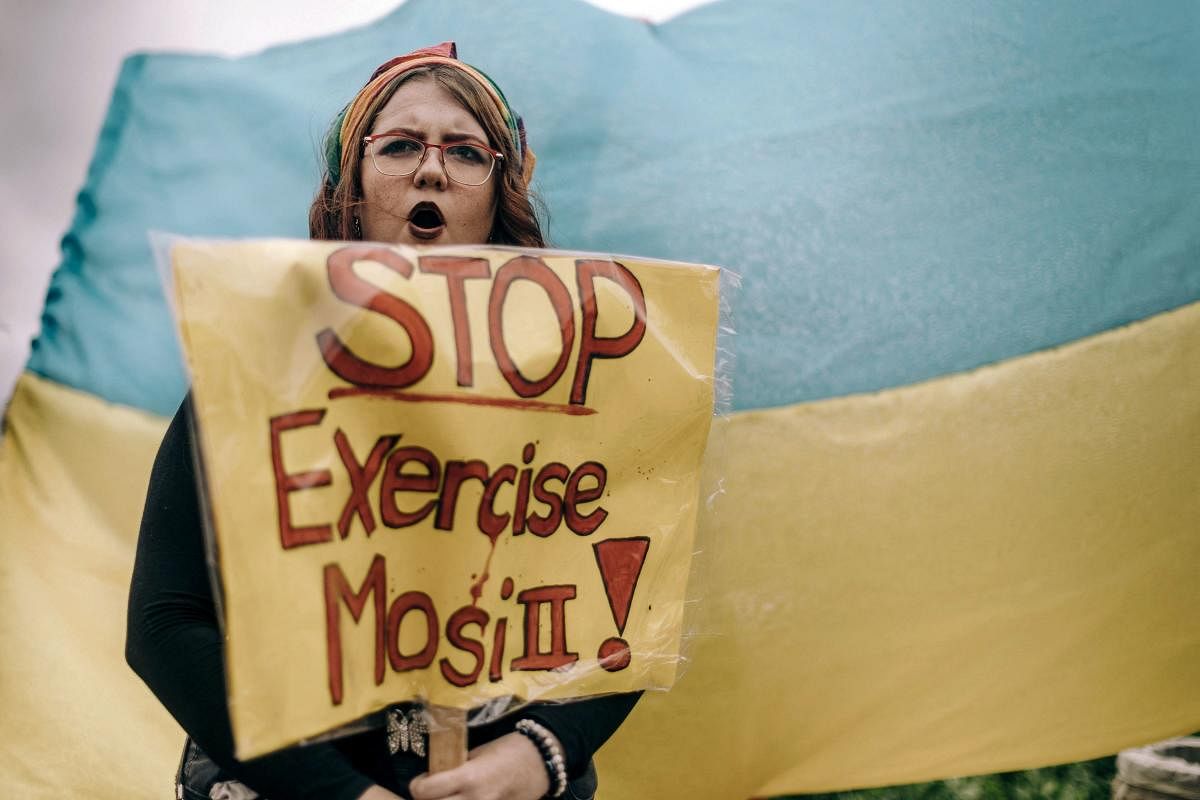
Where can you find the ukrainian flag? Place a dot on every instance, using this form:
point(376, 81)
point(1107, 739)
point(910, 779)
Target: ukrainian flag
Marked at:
point(960, 527)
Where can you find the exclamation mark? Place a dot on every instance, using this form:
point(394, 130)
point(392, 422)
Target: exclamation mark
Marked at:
point(620, 562)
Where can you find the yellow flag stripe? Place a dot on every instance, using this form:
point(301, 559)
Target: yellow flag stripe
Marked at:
point(989, 571)
point(78, 722)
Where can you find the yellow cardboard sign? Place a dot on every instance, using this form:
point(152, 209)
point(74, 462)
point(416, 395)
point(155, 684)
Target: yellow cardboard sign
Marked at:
point(449, 474)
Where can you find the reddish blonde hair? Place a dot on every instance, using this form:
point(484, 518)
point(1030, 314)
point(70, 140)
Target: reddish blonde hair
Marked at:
point(334, 211)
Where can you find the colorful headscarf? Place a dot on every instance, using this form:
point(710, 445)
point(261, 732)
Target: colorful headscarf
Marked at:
point(339, 157)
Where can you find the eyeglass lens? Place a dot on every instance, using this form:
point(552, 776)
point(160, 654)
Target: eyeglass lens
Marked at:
point(400, 155)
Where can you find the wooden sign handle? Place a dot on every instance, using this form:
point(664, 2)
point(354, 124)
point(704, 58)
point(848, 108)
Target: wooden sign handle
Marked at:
point(447, 738)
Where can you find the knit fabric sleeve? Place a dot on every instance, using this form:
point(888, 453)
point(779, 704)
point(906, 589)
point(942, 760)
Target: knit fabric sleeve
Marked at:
point(582, 726)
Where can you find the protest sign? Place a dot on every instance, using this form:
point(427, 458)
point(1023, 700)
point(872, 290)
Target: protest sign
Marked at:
point(450, 474)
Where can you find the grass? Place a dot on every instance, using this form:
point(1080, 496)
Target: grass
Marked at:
point(1086, 780)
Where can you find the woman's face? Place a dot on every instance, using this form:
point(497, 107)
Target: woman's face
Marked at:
point(424, 110)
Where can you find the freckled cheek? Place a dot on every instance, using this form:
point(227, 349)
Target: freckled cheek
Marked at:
point(483, 214)
point(474, 225)
point(383, 200)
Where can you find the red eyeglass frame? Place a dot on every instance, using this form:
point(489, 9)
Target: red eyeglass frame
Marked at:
point(441, 148)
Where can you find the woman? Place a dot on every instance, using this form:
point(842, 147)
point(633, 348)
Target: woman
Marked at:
point(428, 152)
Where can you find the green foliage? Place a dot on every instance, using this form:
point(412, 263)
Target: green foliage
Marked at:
point(1086, 780)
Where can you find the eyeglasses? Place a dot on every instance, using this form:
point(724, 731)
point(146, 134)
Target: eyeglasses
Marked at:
point(398, 154)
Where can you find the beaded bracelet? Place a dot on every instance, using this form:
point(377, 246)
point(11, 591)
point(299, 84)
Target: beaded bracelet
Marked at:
point(552, 756)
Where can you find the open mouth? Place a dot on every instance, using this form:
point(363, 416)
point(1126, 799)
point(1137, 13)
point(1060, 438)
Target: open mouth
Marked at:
point(426, 220)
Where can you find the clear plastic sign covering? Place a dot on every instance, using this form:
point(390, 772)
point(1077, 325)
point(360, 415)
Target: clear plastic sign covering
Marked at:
point(464, 476)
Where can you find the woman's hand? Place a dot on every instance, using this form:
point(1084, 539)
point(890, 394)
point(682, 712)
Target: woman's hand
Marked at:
point(378, 793)
point(508, 768)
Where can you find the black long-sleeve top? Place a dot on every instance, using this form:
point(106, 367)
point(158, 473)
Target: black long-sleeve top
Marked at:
point(174, 643)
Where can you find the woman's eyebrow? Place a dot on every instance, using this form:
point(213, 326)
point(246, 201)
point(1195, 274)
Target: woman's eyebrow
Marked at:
point(416, 133)
point(413, 132)
point(459, 136)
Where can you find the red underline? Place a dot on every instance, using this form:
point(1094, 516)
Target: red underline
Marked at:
point(498, 402)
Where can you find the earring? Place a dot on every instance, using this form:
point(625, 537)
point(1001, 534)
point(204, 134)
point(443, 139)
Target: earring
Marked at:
point(357, 228)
